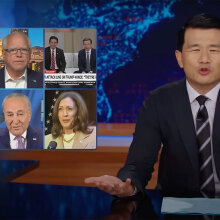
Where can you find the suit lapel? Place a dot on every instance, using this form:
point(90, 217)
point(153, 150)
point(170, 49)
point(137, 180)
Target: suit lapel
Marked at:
point(81, 140)
point(57, 57)
point(84, 56)
point(31, 81)
point(216, 136)
point(48, 56)
point(91, 57)
point(184, 120)
point(5, 140)
point(2, 77)
point(31, 139)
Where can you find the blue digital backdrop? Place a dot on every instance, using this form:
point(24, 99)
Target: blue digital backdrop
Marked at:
point(136, 42)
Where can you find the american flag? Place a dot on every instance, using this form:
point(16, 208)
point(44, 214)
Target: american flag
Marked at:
point(50, 99)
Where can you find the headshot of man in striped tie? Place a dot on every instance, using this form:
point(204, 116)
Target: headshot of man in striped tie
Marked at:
point(180, 120)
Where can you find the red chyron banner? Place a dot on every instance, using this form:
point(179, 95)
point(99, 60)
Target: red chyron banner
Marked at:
point(50, 71)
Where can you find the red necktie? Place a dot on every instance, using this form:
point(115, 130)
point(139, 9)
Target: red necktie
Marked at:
point(52, 60)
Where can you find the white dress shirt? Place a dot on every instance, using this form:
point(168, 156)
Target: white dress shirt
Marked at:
point(14, 142)
point(210, 104)
point(21, 82)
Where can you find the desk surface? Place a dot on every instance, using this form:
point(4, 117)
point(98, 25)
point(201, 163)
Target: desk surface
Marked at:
point(38, 201)
point(10, 169)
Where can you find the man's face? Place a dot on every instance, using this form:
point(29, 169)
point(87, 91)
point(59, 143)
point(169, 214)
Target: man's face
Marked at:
point(87, 45)
point(53, 43)
point(16, 63)
point(200, 58)
point(17, 115)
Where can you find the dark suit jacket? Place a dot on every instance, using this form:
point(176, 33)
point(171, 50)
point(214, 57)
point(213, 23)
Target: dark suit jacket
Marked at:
point(82, 60)
point(60, 59)
point(34, 138)
point(166, 118)
point(34, 79)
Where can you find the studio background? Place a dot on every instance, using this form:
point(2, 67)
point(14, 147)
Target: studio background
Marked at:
point(136, 41)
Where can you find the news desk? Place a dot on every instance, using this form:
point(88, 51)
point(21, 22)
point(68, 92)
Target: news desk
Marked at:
point(42, 201)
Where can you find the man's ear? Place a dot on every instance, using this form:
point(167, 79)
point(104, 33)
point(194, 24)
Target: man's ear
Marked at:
point(29, 114)
point(179, 58)
point(3, 54)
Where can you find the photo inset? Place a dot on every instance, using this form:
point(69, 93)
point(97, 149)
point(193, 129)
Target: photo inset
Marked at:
point(21, 58)
point(70, 119)
point(70, 58)
point(21, 119)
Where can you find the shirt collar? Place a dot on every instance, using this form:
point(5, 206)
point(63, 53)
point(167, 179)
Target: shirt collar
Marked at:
point(8, 77)
point(88, 51)
point(12, 137)
point(193, 94)
point(53, 49)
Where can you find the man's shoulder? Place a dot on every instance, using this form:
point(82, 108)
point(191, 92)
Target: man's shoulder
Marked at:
point(35, 130)
point(30, 71)
point(167, 93)
point(59, 49)
point(4, 138)
point(81, 51)
point(4, 131)
point(2, 70)
point(170, 87)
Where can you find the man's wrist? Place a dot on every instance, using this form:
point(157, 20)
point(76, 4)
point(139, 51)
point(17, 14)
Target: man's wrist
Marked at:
point(135, 191)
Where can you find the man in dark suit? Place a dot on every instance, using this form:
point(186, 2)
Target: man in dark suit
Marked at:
point(19, 134)
point(87, 57)
point(54, 56)
point(16, 55)
point(183, 117)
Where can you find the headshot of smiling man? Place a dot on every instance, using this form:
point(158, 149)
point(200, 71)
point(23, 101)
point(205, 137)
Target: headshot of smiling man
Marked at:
point(19, 134)
point(54, 56)
point(16, 55)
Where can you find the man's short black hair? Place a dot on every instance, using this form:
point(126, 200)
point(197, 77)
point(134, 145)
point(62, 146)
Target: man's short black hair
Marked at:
point(87, 39)
point(203, 21)
point(53, 37)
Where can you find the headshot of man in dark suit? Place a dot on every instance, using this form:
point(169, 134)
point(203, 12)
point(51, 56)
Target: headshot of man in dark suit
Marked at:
point(16, 55)
point(54, 56)
point(182, 119)
point(19, 134)
point(87, 57)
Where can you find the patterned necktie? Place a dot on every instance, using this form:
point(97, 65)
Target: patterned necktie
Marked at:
point(207, 185)
point(52, 60)
point(87, 62)
point(20, 142)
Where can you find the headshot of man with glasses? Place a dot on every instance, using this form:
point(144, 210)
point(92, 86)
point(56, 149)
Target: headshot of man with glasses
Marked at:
point(16, 54)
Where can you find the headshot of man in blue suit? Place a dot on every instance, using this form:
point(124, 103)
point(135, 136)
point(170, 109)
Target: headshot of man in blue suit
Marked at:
point(16, 54)
point(19, 134)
